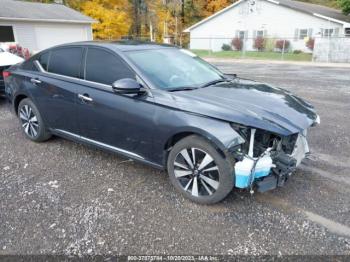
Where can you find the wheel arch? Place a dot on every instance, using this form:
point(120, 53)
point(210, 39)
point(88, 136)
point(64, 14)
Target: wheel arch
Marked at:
point(217, 142)
point(17, 101)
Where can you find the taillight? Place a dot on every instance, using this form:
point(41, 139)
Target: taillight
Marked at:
point(6, 74)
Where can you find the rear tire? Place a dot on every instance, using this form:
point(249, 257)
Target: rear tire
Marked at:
point(33, 125)
point(199, 172)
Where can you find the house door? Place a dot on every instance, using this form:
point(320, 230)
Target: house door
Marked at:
point(242, 36)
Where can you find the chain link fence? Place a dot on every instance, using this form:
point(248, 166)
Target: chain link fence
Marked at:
point(318, 49)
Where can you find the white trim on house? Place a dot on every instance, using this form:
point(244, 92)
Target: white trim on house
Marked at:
point(330, 19)
point(274, 2)
point(48, 20)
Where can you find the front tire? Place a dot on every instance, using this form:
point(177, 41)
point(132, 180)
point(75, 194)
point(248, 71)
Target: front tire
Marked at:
point(33, 125)
point(199, 172)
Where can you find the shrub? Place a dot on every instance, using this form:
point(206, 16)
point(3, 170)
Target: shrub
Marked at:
point(310, 43)
point(280, 43)
point(26, 53)
point(237, 43)
point(259, 43)
point(270, 44)
point(19, 51)
point(297, 52)
point(226, 47)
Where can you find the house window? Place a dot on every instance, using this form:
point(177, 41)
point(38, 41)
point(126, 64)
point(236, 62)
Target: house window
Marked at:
point(327, 32)
point(6, 34)
point(241, 34)
point(303, 33)
point(260, 33)
point(347, 32)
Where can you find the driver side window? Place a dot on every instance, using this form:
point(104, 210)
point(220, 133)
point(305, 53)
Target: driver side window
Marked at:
point(105, 68)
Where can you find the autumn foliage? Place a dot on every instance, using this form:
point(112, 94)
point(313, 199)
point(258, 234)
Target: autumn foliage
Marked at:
point(213, 6)
point(113, 20)
point(145, 18)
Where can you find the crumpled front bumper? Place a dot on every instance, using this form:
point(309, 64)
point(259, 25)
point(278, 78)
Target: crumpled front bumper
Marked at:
point(301, 149)
point(285, 165)
point(276, 174)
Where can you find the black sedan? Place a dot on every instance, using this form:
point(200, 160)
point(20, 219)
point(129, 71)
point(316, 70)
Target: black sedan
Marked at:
point(165, 107)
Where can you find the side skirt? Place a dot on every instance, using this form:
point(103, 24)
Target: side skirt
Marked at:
point(105, 147)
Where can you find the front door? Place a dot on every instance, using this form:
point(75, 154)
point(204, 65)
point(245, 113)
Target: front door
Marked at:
point(119, 122)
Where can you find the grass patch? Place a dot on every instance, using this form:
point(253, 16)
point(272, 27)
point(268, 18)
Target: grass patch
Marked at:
point(255, 55)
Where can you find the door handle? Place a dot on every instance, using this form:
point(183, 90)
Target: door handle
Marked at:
point(35, 81)
point(85, 98)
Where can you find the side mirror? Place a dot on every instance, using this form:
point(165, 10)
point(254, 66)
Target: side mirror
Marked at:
point(127, 86)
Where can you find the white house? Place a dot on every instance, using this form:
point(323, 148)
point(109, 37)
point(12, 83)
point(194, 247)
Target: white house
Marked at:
point(276, 19)
point(37, 26)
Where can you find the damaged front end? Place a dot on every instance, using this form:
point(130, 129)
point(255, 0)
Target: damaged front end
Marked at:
point(267, 160)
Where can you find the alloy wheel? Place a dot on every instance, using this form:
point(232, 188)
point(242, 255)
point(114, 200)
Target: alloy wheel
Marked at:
point(29, 121)
point(197, 172)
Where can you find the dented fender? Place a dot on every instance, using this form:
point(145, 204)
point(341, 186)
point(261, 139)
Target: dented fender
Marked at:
point(171, 123)
point(219, 132)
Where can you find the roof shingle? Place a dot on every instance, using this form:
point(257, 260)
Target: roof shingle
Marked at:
point(318, 9)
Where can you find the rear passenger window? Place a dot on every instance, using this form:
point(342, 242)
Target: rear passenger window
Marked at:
point(66, 61)
point(44, 60)
point(29, 65)
point(105, 68)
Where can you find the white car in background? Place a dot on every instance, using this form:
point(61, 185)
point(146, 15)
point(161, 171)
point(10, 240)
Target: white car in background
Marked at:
point(6, 60)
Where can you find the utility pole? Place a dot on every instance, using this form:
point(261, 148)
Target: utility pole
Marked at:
point(176, 30)
point(137, 23)
point(151, 30)
point(182, 19)
point(183, 11)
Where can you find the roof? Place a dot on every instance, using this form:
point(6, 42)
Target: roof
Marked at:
point(312, 9)
point(315, 9)
point(122, 45)
point(29, 11)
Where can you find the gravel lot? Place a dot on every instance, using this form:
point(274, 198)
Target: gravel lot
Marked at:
point(60, 197)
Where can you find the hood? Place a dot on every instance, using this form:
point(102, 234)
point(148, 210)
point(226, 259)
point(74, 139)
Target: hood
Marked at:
point(7, 59)
point(248, 103)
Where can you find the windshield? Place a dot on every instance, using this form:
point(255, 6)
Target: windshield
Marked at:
point(172, 69)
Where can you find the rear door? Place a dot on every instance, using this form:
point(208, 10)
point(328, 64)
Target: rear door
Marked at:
point(55, 91)
point(122, 122)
